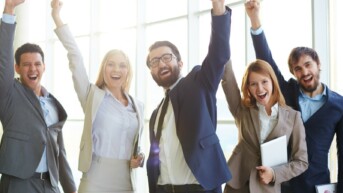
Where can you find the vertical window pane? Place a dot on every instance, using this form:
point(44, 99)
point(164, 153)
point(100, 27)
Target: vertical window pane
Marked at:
point(77, 14)
point(337, 47)
point(157, 10)
point(228, 135)
point(36, 32)
point(116, 14)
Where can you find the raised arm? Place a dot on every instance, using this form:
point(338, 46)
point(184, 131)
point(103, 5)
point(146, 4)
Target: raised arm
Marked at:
point(231, 90)
point(253, 11)
point(6, 48)
point(259, 39)
point(56, 6)
point(219, 51)
point(10, 6)
point(218, 7)
point(76, 64)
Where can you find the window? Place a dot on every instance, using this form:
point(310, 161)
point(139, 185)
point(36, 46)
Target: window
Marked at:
point(101, 25)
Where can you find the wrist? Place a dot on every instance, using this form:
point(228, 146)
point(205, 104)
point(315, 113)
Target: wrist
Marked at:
point(9, 10)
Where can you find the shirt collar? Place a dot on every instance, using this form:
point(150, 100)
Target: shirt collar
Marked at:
point(45, 93)
point(108, 93)
point(275, 109)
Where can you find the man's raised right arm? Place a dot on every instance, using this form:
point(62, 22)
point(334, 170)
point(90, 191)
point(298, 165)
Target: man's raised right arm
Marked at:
point(6, 46)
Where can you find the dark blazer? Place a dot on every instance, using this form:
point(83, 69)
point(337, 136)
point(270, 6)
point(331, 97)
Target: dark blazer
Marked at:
point(194, 105)
point(25, 132)
point(320, 128)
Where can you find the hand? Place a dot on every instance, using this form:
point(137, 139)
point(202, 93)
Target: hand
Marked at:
point(266, 174)
point(218, 7)
point(136, 161)
point(56, 6)
point(10, 5)
point(252, 7)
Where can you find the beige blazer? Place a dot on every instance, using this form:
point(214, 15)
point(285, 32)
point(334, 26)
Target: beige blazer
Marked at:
point(90, 97)
point(246, 155)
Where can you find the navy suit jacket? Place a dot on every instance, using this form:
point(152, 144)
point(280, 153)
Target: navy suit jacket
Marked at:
point(194, 105)
point(320, 128)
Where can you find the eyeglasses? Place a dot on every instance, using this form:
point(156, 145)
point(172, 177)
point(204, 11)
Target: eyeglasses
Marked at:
point(165, 59)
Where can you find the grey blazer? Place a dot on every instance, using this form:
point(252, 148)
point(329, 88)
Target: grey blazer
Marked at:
point(90, 97)
point(25, 133)
point(246, 155)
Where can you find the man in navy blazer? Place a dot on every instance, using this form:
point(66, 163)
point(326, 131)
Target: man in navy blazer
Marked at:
point(188, 156)
point(32, 154)
point(321, 108)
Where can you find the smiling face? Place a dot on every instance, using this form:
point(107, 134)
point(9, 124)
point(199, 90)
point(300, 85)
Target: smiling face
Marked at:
point(261, 88)
point(307, 72)
point(31, 69)
point(165, 74)
point(116, 71)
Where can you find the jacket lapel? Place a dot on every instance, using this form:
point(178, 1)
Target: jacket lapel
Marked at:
point(256, 123)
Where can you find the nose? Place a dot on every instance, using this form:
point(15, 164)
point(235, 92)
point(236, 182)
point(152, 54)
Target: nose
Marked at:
point(32, 67)
point(259, 87)
point(160, 62)
point(116, 67)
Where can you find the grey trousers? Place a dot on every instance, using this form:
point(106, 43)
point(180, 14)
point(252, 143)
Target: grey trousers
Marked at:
point(10, 184)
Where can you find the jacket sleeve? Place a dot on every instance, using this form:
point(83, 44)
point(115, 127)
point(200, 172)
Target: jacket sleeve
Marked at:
point(76, 64)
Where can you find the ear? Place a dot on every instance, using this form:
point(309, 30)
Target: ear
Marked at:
point(17, 68)
point(319, 66)
point(43, 67)
point(180, 64)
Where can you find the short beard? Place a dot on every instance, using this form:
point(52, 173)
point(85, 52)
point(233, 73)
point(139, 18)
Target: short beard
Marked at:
point(311, 89)
point(170, 80)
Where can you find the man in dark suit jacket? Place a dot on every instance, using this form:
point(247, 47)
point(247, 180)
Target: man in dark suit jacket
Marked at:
point(321, 108)
point(32, 153)
point(188, 157)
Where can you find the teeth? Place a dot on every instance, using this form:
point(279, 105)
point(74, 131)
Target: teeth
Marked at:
point(164, 72)
point(307, 78)
point(33, 76)
point(115, 76)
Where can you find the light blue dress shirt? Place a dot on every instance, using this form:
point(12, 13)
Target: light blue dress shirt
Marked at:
point(310, 105)
point(51, 117)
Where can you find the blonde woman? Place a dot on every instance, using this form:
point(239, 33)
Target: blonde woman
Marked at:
point(109, 148)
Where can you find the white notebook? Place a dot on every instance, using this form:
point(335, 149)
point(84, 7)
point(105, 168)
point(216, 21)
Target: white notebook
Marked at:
point(326, 188)
point(274, 152)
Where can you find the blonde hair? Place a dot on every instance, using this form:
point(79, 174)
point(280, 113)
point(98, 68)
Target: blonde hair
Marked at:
point(261, 67)
point(100, 82)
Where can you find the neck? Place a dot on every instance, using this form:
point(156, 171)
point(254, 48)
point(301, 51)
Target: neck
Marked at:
point(119, 95)
point(38, 91)
point(314, 93)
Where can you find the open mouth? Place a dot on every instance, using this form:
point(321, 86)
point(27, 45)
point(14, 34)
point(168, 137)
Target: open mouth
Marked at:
point(33, 77)
point(115, 77)
point(307, 79)
point(164, 72)
point(262, 96)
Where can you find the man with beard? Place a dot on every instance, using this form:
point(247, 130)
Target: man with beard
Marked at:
point(321, 108)
point(185, 154)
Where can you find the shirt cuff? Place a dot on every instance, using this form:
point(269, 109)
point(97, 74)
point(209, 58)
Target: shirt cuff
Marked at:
point(7, 18)
point(256, 32)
